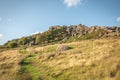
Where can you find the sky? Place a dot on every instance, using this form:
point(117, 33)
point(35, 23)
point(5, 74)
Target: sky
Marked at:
point(20, 18)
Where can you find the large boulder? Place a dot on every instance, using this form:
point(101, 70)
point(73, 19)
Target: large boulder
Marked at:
point(63, 48)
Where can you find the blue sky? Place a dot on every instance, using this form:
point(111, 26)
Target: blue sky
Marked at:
point(24, 17)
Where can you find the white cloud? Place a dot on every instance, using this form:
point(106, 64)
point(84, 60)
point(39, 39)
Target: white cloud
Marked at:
point(1, 35)
point(118, 19)
point(71, 3)
point(35, 33)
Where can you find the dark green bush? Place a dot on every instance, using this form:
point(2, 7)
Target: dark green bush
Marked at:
point(12, 44)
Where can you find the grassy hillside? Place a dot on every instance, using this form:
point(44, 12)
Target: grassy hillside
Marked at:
point(96, 59)
point(63, 34)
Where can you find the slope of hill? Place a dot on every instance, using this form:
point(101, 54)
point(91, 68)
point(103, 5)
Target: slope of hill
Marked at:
point(64, 34)
point(96, 59)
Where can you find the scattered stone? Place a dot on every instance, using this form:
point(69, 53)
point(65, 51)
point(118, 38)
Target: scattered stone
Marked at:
point(63, 48)
point(32, 43)
point(50, 56)
point(56, 74)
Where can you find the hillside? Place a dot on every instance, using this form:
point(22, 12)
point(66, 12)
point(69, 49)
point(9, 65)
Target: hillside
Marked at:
point(59, 39)
point(75, 52)
point(96, 59)
point(63, 34)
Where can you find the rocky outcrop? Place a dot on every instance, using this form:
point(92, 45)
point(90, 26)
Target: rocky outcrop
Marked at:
point(103, 31)
point(74, 30)
point(32, 43)
point(64, 33)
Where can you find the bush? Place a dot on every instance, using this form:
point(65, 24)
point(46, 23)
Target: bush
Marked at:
point(23, 41)
point(12, 44)
point(23, 51)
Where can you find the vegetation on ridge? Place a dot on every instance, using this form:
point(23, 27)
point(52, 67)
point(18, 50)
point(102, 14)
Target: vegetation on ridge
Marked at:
point(63, 34)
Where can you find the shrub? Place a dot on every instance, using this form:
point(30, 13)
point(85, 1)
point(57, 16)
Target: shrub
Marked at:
point(12, 44)
point(23, 51)
point(23, 41)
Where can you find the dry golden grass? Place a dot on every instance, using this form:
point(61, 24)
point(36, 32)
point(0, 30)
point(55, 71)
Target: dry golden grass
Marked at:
point(86, 60)
point(9, 64)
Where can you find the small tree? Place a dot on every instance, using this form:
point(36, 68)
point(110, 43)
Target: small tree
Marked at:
point(12, 44)
point(37, 40)
point(23, 41)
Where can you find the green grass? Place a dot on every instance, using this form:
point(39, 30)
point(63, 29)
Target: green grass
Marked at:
point(92, 35)
point(23, 51)
point(31, 70)
point(27, 67)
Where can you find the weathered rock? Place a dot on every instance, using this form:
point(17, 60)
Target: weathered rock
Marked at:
point(50, 56)
point(63, 48)
point(32, 43)
point(81, 30)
